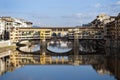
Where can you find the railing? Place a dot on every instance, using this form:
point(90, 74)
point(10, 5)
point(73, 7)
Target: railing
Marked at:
point(86, 37)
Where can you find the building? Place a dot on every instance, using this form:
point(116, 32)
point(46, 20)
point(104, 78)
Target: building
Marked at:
point(112, 32)
point(9, 23)
point(101, 20)
point(43, 33)
point(21, 23)
point(38, 33)
point(6, 23)
point(112, 29)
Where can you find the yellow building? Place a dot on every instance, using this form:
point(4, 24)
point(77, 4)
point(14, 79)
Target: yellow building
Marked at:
point(43, 33)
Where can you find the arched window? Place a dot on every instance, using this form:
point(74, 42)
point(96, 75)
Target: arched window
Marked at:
point(54, 34)
point(59, 34)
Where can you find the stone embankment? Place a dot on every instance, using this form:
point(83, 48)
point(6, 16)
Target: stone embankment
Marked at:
point(6, 45)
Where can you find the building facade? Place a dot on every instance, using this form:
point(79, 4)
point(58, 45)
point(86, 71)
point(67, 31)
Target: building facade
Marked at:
point(44, 33)
point(101, 20)
point(9, 23)
point(112, 33)
point(102, 26)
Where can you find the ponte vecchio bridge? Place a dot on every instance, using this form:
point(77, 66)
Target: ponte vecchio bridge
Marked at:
point(74, 34)
point(44, 33)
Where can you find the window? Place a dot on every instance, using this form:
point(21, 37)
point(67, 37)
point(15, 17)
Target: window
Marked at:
point(60, 29)
point(66, 29)
point(53, 29)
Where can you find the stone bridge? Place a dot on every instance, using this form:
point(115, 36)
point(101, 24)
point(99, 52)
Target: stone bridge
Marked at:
point(45, 33)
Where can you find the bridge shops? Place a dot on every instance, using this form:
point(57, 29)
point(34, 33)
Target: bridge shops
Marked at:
point(44, 33)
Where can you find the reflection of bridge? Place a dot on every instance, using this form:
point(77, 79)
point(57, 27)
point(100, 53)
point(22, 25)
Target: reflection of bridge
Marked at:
point(4, 54)
point(17, 58)
point(43, 49)
point(101, 63)
point(68, 33)
point(3, 61)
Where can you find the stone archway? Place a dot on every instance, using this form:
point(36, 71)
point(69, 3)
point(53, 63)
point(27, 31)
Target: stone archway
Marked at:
point(54, 34)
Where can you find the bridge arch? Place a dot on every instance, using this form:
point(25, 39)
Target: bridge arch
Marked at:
point(54, 34)
point(20, 44)
point(48, 52)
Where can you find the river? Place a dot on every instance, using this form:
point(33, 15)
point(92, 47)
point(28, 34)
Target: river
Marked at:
point(34, 62)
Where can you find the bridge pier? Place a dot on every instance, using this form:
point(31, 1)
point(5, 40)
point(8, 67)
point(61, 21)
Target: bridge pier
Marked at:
point(76, 42)
point(76, 51)
point(63, 60)
point(43, 59)
point(50, 59)
point(42, 42)
point(76, 45)
point(56, 60)
point(43, 47)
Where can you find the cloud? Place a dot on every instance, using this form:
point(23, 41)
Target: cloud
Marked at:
point(65, 20)
point(117, 3)
point(42, 17)
point(97, 5)
point(80, 16)
point(70, 16)
point(114, 8)
point(73, 16)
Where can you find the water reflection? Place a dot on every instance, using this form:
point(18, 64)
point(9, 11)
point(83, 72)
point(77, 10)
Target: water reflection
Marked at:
point(59, 46)
point(22, 66)
point(44, 66)
point(30, 46)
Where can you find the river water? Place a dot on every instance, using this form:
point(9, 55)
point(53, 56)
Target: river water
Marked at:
point(42, 66)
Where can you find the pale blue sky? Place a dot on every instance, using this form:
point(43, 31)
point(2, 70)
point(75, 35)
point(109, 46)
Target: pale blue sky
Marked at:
point(58, 12)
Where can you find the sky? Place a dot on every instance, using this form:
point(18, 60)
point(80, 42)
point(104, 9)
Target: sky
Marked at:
point(47, 13)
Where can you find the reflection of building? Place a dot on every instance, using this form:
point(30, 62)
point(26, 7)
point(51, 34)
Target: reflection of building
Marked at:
point(101, 69)
point(2, 66)
point(113, 65)
point(102, 64)
point(17, 59)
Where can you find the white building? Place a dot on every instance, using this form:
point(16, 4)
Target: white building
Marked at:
point(105, 18)
point(8, 23)
point(21, 23)
point(101, 20)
